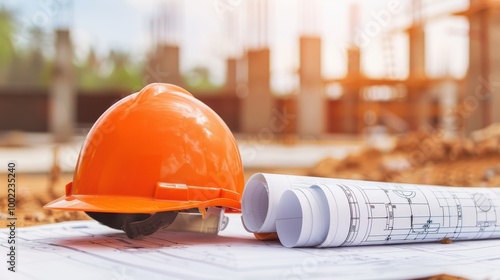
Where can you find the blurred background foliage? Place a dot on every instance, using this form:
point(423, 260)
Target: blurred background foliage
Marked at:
point(30, 64)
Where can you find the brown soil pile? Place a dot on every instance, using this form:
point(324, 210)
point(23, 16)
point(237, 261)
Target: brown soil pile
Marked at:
point(424, 158)
point(32, 193)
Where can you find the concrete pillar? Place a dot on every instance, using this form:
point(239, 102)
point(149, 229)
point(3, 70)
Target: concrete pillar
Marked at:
point(417, 101)
point(491, 83)
point(416, 52)
point(231, 82)
point(475, 118)
point(62, 113)
point(164, 66)
point(354, 62)
point(257, 105)
point(482, 98)
point(350, 101)
point(448, 99)
point(418, 107)
point(351, 98)
point(311, 105)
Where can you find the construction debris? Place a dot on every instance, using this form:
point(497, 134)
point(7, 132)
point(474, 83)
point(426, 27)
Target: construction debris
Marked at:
point(424, 158)
point(446, 241)
point(36, 190)
point(31, 196)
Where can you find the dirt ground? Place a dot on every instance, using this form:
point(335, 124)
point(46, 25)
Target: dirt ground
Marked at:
point(422, 158)
point(32, 192)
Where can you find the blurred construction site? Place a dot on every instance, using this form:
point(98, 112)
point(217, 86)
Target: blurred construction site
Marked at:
point(388, 90)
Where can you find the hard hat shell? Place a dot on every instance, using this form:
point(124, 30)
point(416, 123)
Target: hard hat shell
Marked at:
point(157, 150)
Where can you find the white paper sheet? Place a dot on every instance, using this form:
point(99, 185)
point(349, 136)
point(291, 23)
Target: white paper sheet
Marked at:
point(87, 250)
point(325, 212)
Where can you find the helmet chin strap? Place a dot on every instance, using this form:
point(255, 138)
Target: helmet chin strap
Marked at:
point(136, 229)
point(201, 220)
point(135, 225)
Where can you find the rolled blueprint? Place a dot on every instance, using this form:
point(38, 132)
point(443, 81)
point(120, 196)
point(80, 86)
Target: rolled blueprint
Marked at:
point(261, 197)
point(323, 212)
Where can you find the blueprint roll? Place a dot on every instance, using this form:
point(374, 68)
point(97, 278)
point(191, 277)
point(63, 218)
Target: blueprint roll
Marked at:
point(316, 216)
point(337, 206)
point(257, 206)
point(326, 212)
point(349, 213)
point(261, 196)
point(302, 218)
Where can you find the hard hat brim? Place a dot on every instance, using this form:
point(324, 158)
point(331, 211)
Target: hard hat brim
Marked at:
point(130, 204)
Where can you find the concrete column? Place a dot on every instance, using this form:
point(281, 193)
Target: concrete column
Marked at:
point(448, 99)
point(482, 97)
point(492, 85)
point(257, 105)
point(354, 62)
point(350, 99)
point(417, 99)
point(418, 107)
point(311, 105)
point(475, 117)
point(164, 66)
point(416, 52)
point(231, 82)
point(350, 102)
point(62, 113)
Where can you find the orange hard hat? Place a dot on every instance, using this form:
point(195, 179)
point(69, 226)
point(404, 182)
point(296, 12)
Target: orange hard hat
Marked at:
point(157, 150)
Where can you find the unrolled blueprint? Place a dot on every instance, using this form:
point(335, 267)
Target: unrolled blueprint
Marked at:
point(88, 250)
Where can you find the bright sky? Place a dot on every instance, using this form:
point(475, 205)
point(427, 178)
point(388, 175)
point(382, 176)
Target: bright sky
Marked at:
point(124, 25)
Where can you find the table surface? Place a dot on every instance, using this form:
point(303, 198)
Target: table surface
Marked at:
point(88, 250)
